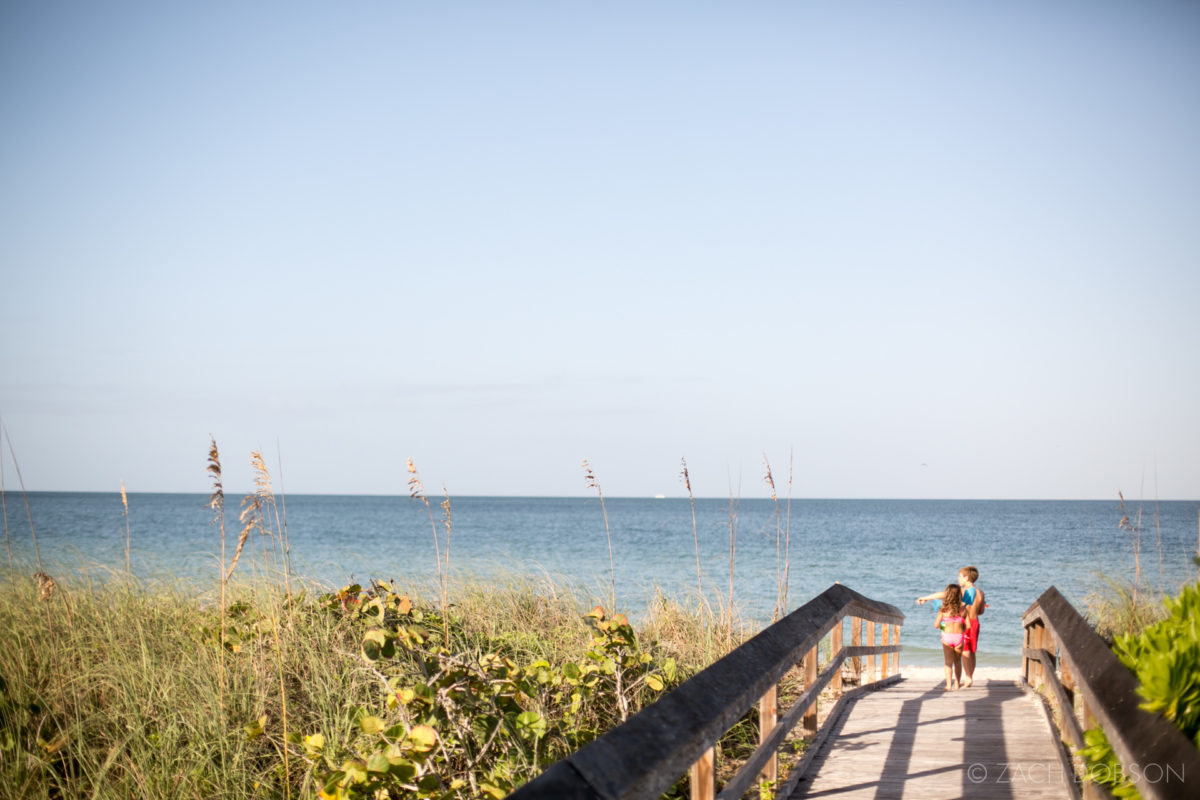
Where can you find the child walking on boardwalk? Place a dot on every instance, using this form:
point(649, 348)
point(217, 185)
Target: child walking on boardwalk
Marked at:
point(952, 622)
point(974, 605)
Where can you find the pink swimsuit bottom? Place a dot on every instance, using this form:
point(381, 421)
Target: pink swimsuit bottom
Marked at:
point(953, 639)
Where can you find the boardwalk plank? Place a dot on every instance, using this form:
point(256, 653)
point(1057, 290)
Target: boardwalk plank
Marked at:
point(914, 740)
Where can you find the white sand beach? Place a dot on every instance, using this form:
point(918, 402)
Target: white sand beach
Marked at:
point(982, 674)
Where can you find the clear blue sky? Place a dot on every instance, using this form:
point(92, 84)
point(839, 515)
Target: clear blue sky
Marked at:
point(937, 249)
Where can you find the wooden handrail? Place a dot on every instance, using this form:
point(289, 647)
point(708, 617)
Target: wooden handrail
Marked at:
point(1154, 754)
point(646, 754)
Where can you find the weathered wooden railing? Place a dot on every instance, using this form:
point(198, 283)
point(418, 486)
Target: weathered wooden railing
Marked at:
point(647, 754)
point(1064, 655)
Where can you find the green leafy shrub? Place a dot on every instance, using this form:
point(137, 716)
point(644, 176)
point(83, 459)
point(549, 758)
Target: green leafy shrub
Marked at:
point(458, 722)
point(1165, 658)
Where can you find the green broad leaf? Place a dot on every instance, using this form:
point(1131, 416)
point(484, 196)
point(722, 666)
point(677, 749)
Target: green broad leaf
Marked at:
point(373, 609)
point(356, 771)
point(422, 738)
point(371, 725)
point(531, 725)
point(377, 644)
point(378, 763)
point(490, 790)
point(403, 770)
point(670, 669)
point(571, 671)
point(655, 683)
point(313, 745)
point(429, 783)
point(425, 694)
point(255, 729)
point(330, 788)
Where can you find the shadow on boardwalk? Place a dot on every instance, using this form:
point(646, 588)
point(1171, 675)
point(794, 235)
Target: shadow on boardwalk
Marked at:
point(915, 740)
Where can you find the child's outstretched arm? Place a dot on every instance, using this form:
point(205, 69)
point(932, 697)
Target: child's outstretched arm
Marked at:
point(935, 596)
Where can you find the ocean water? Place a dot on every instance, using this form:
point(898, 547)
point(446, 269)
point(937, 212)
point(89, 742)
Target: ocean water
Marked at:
point(890, 550)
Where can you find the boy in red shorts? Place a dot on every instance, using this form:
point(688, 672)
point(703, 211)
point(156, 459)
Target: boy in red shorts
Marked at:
point(972, 597)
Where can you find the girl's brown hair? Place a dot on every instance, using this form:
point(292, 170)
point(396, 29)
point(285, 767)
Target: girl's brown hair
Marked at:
point(952, 601)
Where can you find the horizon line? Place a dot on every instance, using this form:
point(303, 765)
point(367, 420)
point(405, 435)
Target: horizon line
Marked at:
point(781, 500)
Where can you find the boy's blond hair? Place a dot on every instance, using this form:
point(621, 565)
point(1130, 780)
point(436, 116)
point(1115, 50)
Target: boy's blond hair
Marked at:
point(971, 573)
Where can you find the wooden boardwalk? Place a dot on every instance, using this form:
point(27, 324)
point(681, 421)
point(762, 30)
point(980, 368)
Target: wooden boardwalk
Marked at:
point(914, 740)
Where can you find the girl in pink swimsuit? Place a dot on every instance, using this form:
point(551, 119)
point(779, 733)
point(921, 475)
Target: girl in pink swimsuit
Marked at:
point(952, 622)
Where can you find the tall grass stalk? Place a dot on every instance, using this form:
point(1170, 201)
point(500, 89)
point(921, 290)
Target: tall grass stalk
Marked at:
point(1158, 535)
point(282, 526)
point(216, 502)
point(264, 502)
point(125, 504)
point(590, 481)
point(272, 528)
point(416, 491)
point(446, 523)
point(787, 533)
point(733, 525)
point(12, 570)
point(248, 520)
point(687, 482)
point(41, 573)
point(769, 479)
point(1134, 527)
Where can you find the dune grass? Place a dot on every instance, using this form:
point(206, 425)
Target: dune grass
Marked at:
point(114, 690)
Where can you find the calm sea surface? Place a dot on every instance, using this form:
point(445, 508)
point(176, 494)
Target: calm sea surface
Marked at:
point(891, 550)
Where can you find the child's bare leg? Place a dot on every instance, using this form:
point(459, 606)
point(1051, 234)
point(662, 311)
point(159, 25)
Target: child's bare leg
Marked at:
point(958, 667)
point(948, 657)
point(968, 666)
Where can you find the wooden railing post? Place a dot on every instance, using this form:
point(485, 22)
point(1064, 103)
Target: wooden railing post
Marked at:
point(870, 637)
point(896, 655)
point(703, 776)
point(1035, 639)
point(768, 716)
point(1068, 684)
point(885, 659)
point(809, 720)
point(856, 641)
point(1027, 663)
point(1039, 643)
point(835, 647)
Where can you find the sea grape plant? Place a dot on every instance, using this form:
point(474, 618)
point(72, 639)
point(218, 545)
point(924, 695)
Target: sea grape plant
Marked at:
point(1165, 658)
point(458, 722)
